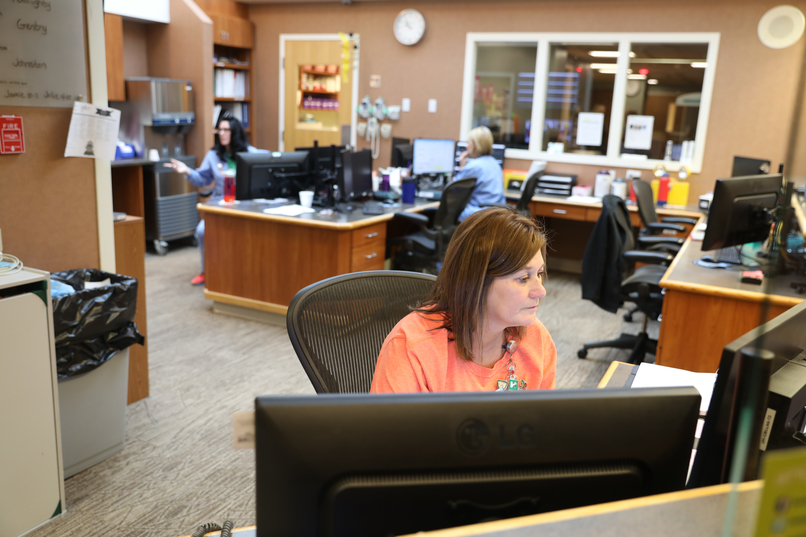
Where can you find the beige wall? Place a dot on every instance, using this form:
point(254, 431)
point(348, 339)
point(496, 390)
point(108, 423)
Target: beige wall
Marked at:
point(754, 92)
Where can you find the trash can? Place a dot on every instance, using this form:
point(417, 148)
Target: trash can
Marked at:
point(93, 314)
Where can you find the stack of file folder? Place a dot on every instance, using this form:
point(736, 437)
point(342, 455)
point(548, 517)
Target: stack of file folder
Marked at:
point(555, 185)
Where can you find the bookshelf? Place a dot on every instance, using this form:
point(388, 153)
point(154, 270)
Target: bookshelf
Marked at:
point(319, 87)
point(232, 82)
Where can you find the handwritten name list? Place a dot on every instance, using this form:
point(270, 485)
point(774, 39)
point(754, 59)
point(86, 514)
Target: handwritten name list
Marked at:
point(42, 53)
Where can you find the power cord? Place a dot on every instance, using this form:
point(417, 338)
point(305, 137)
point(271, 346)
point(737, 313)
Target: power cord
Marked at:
point(226, 530)
point(14, 264)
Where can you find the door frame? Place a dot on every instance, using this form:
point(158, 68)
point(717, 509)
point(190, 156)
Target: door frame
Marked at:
point(355, 78)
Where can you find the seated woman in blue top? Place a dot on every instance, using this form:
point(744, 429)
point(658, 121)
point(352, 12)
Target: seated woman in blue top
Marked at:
point(230, 138)
point(478, 162)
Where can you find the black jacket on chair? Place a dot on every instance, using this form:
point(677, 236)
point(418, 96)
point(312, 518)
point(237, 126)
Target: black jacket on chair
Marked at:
point(603, 265)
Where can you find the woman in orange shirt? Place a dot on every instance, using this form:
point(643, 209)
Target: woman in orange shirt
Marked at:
point(477, 330)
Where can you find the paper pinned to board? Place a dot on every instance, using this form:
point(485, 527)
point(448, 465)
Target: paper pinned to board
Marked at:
point(93, 132)
point(658, 376)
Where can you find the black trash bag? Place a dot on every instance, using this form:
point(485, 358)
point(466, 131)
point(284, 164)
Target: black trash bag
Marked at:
point(91, 325)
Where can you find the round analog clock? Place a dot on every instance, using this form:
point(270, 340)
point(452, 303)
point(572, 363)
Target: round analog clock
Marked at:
point(409, 26)
point(633, 87)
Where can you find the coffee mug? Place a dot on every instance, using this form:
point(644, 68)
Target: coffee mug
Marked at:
point(306, 198)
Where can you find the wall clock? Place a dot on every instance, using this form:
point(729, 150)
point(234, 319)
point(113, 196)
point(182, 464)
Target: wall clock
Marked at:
point(409, 27)
point(633, 87)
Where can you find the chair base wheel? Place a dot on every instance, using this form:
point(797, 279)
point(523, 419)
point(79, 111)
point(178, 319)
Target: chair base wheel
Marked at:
point(628, 317)
point(582, 353)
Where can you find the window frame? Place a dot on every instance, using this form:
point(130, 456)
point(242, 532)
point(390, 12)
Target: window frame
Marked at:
point(616, 126)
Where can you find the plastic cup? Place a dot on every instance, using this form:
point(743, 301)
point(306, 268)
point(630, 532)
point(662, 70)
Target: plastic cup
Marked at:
point(229, 186)
point(306, 198)
point(409, 187)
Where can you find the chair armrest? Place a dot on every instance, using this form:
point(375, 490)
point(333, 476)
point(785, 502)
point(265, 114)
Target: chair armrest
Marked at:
point(414, 218)
point(652, 240)
point(654, 258)
point(658, 227)
point(678, 220)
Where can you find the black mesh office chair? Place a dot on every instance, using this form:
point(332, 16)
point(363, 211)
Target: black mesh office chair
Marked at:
point(337, 326)
point(423, 249)
point(652, 226)
point(608, 278)
point(526, 194)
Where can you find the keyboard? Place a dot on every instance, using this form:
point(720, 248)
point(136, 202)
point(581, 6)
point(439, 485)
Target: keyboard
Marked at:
point(728, 255)
point(373, 207)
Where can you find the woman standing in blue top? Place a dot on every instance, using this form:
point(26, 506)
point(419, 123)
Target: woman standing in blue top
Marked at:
point(230, 139)
point(478, 162)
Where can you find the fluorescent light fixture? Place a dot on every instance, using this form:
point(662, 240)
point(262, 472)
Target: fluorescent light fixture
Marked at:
point(636, 77)
point(608, 71)
point(607, 54)
point(699, 65)
point(603, 66)
point(652, 81)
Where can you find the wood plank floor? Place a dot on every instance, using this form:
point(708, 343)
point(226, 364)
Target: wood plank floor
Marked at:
point(178, 469)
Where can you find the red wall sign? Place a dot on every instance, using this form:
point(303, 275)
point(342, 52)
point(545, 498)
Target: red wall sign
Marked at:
point(11, 138)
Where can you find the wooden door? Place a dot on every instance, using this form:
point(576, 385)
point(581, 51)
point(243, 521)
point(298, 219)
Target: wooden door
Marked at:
point(302, 125)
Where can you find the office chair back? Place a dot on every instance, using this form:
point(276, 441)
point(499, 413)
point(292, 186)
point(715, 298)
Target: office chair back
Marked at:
point(526, 196)
point(454, 199)
point(337, 326)
point(646, 202)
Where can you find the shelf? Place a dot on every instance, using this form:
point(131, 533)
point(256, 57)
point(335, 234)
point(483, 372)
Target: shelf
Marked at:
point(228, 65)
point(320, 92)
point(319, 73)
point(232, 100)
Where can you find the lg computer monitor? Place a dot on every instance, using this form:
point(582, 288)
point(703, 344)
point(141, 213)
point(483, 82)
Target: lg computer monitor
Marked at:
point(743, 166)
point(783, 420)
point(270, 175)
point(391, 464)
point(461, 147)
point(355, 181)
point(432, 156)
point(741, 211)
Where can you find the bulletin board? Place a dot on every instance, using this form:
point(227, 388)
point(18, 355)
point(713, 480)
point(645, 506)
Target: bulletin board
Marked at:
point(42, 58)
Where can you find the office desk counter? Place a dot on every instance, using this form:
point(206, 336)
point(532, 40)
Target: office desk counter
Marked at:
point(705, 309)
point(259, 261)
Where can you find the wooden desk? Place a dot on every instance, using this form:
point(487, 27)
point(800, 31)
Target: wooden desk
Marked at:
point(569, 224)
point(260, 261)
point(704, 309)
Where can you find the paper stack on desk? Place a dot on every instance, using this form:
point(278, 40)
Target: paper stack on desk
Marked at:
point(658, 376)
point(289, 210)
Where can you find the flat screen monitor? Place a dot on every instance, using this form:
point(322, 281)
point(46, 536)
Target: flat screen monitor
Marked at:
point(402, 154)
point(392, 464)
point(328, 157)
point(784, 421)
point(432, 156)
point(270, 175)
point(741, 210)
point(743, 166)
point(355, 181)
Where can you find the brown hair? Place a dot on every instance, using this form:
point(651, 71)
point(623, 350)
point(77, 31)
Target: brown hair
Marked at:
point(489, 244)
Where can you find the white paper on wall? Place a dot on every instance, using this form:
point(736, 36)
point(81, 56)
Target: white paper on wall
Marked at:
point(93, 132)
point(590, 126)
point(638, 132)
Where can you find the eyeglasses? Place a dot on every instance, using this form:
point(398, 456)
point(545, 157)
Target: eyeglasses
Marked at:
point(223, 130)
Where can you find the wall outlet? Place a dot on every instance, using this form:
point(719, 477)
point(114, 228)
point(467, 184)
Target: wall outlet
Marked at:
point(633, 174)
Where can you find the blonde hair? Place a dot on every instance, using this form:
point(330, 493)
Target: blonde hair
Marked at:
point(482, 140)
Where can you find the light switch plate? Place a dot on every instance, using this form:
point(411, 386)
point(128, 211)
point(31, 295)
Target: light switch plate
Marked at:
point(406, 105)
point(432, 105)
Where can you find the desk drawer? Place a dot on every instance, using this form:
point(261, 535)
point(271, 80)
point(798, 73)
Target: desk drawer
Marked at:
point(551, 210)
point(368, 257)
point(369, 234)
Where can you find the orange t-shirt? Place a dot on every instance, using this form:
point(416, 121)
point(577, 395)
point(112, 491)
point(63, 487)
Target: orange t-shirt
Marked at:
point(417, 358)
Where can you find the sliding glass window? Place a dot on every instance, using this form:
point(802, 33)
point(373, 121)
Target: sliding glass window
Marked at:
point(604, 99)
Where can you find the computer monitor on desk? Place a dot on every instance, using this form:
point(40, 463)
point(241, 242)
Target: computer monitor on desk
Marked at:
point(270, 175)
point(432, 157)
point(376, 465)
point(778, 424)
point(742, 210)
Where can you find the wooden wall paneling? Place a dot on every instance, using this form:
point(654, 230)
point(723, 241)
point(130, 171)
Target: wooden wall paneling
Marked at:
point(256, 245)
point(696, 327)
point(127, 190)
point(750, 114)
point(224, 7)
point(47, 202)
point(233, 32)
point(130, 251)
point(113, 36)
point(184, 50)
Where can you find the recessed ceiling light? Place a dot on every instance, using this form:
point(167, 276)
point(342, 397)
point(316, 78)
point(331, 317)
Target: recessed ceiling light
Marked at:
point(652, 81)
point(699, 65)
point(636, 77)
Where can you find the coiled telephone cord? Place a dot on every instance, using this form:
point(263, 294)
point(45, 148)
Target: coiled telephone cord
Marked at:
point(226, 530)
